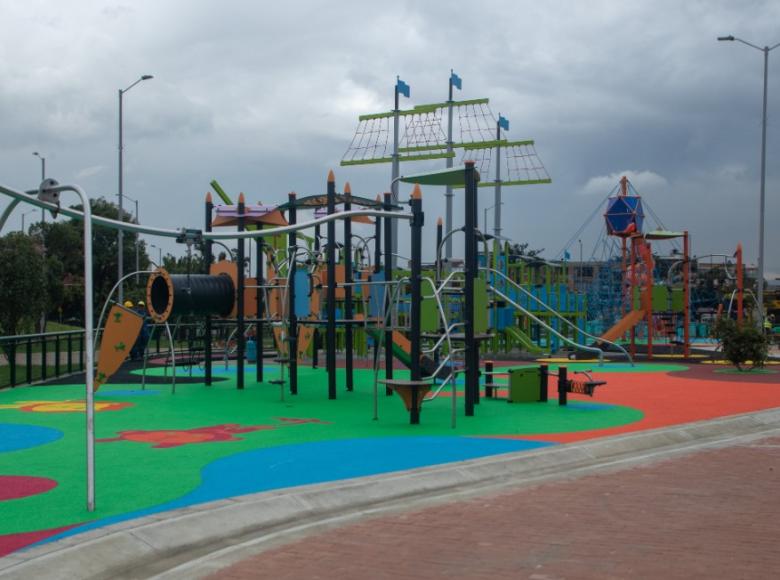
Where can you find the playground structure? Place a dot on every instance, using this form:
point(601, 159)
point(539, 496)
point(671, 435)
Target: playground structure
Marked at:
point(636, 293)
point(313, 290)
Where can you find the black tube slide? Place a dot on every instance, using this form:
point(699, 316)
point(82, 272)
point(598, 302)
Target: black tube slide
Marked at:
point(175, 294)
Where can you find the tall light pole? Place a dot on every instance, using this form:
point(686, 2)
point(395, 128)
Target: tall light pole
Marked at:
point(159, 249)
point(485, 212)
point(24, 214)
point(137, 238)
point(120, 233)
point(762, 196)
point(43, 176)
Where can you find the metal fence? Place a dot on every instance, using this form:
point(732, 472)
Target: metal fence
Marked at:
point(32, 358)
point(35, 358)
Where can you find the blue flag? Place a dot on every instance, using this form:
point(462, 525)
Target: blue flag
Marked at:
point(402, 87)
point(455, 81)
point(503, 122)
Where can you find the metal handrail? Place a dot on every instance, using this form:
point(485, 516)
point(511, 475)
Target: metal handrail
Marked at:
point(20, 337)
point(567, 340)
point(558, 314)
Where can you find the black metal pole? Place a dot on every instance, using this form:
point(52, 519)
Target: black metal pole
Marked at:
point(439, 237)
point(388, 291)
point(563, 386)
point(260, 312)
point(348, 337)
point(240, 297)
point(544, 374)
point(207, 257)
point(292, 337)
point(316, 335)
point(330, 338)
point(378, 241)
point(416, 280)
point(472, 353)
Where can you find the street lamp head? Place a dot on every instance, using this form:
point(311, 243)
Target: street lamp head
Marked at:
point(729, 38)
point(146, 77)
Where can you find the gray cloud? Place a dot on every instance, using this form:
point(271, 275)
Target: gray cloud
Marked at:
point(265, 98)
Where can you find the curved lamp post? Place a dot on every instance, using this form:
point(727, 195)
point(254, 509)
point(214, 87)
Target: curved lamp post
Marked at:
point(120, 233)
point(762, 196)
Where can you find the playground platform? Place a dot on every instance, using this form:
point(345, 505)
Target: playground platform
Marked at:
point(167, 462)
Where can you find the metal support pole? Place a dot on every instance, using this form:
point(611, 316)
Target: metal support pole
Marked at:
point(378, 241)
point(686, 295)
point(448, 195)
point(260, 312)
point(472, 350)
point(418, 219)
point(439, 236)
point(387, 292)
point(240, 351)
point(292, 334)
point(762, 202)
point(348, 337)
point(392, 250)
point(207, 258)
point(497, 200)
point(316, 338)
point(330, 334)
point(120, 235)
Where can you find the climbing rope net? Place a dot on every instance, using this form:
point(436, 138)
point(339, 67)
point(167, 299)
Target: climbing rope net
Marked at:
point(422, 135)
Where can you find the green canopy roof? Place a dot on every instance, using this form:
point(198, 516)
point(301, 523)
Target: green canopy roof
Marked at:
point(453, 177)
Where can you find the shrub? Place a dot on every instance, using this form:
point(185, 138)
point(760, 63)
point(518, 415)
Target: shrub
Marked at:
point(741, 343)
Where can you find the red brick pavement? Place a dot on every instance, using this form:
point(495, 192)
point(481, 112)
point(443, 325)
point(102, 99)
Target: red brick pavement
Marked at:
point(715, 514)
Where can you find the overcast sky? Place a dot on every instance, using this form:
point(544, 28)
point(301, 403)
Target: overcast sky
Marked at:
point(265, 97)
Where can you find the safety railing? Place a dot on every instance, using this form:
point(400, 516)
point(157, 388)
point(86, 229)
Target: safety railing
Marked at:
point(32, 358)
point(558, 315)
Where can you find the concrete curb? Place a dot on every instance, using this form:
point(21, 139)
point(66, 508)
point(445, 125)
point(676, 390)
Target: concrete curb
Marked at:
point(189, 542)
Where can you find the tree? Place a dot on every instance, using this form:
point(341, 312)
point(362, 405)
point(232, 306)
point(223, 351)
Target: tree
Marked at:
point(517, 251)
point(64, 245)
point(741, 343)
point(22, 283)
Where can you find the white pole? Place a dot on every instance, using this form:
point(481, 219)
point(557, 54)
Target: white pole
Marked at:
point(88, 345)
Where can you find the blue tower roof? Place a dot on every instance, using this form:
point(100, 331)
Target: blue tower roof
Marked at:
point(624, 216)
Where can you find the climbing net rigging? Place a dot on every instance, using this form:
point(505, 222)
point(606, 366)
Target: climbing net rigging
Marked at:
point(422, 135)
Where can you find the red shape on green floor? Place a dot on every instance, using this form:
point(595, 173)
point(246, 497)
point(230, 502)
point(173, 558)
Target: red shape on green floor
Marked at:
point(164, 438)
point(11, 542)
point(18, 486)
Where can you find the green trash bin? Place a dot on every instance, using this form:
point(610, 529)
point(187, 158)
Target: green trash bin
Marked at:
point(524, 385)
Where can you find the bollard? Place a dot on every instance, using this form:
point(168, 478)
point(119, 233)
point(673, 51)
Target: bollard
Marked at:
point(563, 386)
point(489, 393)
point(544, 375)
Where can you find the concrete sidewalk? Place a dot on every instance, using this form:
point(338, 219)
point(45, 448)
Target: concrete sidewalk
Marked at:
point(713, 514)
point(677, 498)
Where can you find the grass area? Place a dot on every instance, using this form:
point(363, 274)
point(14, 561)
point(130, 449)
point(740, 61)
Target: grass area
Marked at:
point(21, 372)
point(52, 326)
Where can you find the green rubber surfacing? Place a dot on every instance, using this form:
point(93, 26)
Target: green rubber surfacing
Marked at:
point(133, 475)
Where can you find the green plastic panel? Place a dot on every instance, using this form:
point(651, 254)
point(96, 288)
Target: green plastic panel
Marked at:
point(524, 385)
point(429, 315)
point(678, 299)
